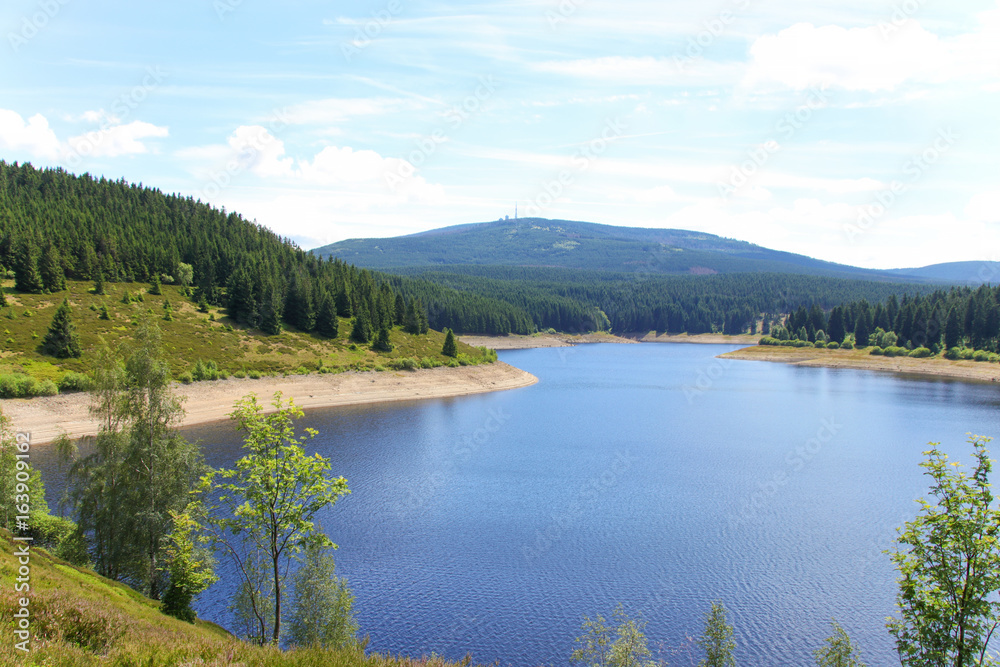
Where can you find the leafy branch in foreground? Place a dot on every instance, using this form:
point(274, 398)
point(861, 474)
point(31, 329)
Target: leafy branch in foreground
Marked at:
point(623, 646)
point(260, 513)
point(949, 564)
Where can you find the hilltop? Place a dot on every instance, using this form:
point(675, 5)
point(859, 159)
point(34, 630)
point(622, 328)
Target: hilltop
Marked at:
point(537, 242)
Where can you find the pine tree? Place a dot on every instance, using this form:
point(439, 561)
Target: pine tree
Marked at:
point(105, 315)
point(326, 322)
point(270, 312)
point(99, 287)
point(62, 341)
point(51, 270)
point(154, 284)
point(343, 303)
point(382, 343)
point(361, 332)
point(450, 348)
point(27, 277)
point(862, 329)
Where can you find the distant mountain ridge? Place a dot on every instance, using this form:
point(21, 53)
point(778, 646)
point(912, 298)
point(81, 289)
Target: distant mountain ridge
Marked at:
point(537, 242)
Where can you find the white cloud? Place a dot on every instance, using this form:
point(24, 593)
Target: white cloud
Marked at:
point(34, 137)
point(336, 110)
point(984, 207)
point(117, 140)
point(647, 70)
point(875, 58)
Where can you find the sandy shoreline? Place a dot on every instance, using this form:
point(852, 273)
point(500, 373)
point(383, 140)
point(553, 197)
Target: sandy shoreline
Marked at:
point(515, 342)
point(862, 360)
point(47, 418)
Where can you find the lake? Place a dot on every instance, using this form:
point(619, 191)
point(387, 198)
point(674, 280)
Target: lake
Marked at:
point(656, 476)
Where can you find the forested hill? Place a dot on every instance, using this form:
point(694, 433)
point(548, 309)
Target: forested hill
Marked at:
point(582, 245)
point(56, 226)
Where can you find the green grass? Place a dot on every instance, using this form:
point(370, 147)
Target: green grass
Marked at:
point(190, 336)
point(81, 618)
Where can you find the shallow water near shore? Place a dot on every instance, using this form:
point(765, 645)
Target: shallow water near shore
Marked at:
point(657, 476)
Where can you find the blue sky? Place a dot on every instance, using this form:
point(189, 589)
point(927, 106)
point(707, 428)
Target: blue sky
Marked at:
point(862, 132)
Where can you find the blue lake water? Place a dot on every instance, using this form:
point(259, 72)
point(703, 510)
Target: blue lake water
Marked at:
point(655, 476)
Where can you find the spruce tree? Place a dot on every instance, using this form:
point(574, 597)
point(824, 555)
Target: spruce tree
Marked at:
point(27, 277)
point(51, 270)
point(270, 312)
point(382, 343)
point(952, 329)
point(361, 332)
point(326, 323)
point(62, 341)
point(154, 284)
point(99, 287)
point(450, 348)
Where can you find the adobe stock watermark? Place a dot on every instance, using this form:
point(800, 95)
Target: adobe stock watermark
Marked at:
point(456, 116)
point(464, 449)
point(222, 176)
point(224, 7)
point(785, 128)
point(707, 377)
point(902, 13)
point(560, 523)
point(563, 12)
point(795, 460)
point(22, 543)
point(367, 32)
point(552, 189)
point(35, 23)
point(121, 108)
point(712, 30)
point(915, 168)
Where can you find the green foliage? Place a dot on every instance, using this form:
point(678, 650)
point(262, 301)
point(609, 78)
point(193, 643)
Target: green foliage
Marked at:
point(260, 513)
point(621, 646)
point(876, 351)
point(382, 342)
point(717, 640)
point(450, 349)
point(140, 469)
point(18, 385)
point(948, 559)
point(51, 270)
point(104, 314)
point(62, 341)
point(838, 651)
point(73, 381)
point(361, 332)
point(981, 355)
point(205, 370)
point(920, 353)
point(154, 285)
point(322, 608)
point(190, 565)
point(27, 277)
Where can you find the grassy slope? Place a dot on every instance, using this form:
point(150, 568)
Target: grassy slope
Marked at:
point(81, 618)
point(191, 336)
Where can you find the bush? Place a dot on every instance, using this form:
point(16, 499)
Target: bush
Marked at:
point(75, 382)
point(966, 354)
point(239, 374)
point(185, 377)
point(953, 353)
point(920, 353)
point(833, 345)
point(994, 357)
point(801, 343)
point(819, 344)
point(788, 343)
point(769, 340)
point(981, 355)
point(427, 362)
point(847, 345)
point(44, 388)
point(205, 370)
point(254, 374)
point(876, 351)
point(404, 364)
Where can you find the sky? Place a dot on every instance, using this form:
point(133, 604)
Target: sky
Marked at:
point(856, 131)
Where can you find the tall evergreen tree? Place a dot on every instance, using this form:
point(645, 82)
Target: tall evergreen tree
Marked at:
point(382, 342)
point(51, 270)
point(154, 284)
point(270, 311)
point(62, 340)
point(99, 286)
point(361, 332)
point(27, 277)
point(326, 321)
point(450, 348)
point(862, 329)
point(835, 328)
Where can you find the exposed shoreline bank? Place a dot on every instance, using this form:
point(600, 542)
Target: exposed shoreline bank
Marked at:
point(977, 371)
point(516, 342)
point(46, 418)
